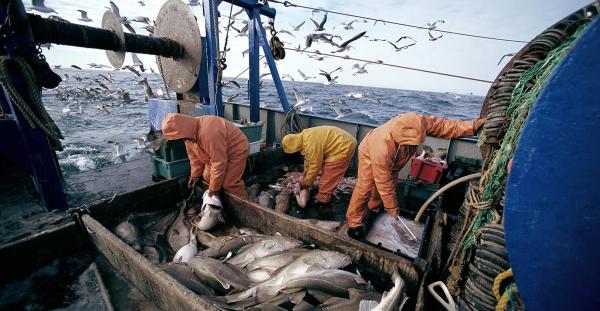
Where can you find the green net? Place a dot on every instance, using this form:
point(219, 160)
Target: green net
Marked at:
point(525, 94)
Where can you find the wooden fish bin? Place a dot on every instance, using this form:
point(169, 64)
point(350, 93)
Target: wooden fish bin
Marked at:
point(166, 292)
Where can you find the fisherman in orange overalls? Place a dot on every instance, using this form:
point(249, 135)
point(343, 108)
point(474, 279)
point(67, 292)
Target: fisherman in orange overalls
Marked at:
point(217, 150)
point(328, 149)
point(384, 151)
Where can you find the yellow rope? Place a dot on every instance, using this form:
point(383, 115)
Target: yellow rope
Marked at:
point(506, 298)
point(498, 280)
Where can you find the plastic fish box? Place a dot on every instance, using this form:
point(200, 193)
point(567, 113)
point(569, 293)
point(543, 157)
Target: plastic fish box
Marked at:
point(168, 170)
point(255, 147)
point(172, 150)
point(417, 191)
point(252, 131)
point(426, 171)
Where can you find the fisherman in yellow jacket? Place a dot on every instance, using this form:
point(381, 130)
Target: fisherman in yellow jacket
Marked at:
point(325, 148)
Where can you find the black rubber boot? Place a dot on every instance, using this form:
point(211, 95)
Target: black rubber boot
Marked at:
point(357, 233)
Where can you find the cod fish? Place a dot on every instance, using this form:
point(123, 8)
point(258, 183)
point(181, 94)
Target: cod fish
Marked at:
point(332, 281)
point(178, 234)
point(219, 276)
point(188, 251)
point(210, 216)
point(259, 275)
point(253, 191)
point(209, 240)
point(265, 247)
point(313, 261)
point(276, 261)
point(230, 245)
point(153, 227)
point(185, 275)
point(130, 234)
point(389, 301)
point(282, 201)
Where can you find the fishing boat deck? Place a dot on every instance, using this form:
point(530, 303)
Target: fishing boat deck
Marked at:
point(22, 214)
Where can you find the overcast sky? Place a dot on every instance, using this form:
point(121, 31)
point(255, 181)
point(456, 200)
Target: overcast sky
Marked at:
point(520, 20)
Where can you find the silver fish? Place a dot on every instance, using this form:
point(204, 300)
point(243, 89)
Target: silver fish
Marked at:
point(313, 261)
point(209, 240)
point(259, 275)
point(185, 275)
point(188, 251)
point(219, 276)
point(233, 245)
point(130, 234)
point(276, 261)
point(157, 225)
point(178, 234)
point(266, 199)
point(331, 281)
point(390, 301)
point(264, 247)
point(210, 216)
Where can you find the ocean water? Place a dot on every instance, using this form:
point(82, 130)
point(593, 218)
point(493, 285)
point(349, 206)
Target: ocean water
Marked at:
point(91, 134)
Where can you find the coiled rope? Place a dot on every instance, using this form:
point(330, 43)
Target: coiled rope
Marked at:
point(523, 97)
point(507, 299)
point(35, 114)
point(293, 123)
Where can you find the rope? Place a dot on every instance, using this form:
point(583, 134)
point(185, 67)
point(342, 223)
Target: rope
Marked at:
point(523, 97)
point(393, 65)
point(498, 280)
point(35, 114)
point(508, 300)
point(293, 123)
point(289, 4)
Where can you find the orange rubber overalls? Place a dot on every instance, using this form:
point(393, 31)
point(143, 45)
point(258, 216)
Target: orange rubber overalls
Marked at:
point(385, 150)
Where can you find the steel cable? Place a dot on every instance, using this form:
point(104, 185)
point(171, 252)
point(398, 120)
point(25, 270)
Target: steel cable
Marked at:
point(289, 4)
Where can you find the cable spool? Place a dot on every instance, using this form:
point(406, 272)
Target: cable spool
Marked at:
point(111, 22)
point(176, 21)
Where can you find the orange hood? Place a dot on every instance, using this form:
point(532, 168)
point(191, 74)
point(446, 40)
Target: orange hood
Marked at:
point(178, 126)
point(408, 129)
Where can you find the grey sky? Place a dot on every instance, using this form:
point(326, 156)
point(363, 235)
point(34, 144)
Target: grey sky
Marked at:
point(521, 20)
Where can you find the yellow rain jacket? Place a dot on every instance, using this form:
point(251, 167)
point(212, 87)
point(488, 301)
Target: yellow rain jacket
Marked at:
point(318, 145)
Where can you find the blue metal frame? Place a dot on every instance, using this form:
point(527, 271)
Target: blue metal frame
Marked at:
point(552, 214)
point(256, 39)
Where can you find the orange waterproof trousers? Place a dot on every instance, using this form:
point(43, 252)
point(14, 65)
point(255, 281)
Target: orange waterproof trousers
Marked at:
point(232, 182)
point(365, 193)
point(332, 174)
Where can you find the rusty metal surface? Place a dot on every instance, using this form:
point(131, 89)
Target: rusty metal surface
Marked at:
point(177, 22)
point(111, 22)
point(155, 284)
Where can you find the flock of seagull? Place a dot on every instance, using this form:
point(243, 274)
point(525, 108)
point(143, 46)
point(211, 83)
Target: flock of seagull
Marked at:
point(239, 26)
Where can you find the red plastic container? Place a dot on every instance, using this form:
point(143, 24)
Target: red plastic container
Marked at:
point(426, 171)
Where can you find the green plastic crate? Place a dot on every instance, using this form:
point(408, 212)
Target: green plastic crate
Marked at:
point(252, 131)
point(172, 150)
point(168, 170)
point(419, 190)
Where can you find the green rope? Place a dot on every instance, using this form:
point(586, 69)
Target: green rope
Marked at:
point(522, 100)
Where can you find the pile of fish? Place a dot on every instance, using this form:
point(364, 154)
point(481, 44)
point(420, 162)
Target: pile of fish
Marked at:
point(241, 268)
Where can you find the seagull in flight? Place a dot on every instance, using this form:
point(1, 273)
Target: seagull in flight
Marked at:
point(141, 19)
point(287, 76)
point(304, 76)
point(320, 26)
point(327, 75)
point(432, 26)
point(84, 17)
point(358, 69)
point(137, 62)
point(301, 101)
point(346, 44)
point(432, 38)
point(400, 48)
point(348, 26)
point(297, 28)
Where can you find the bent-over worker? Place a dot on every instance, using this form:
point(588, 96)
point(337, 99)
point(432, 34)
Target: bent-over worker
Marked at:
point(217, 150)
point(325, 148)
point(384, 151)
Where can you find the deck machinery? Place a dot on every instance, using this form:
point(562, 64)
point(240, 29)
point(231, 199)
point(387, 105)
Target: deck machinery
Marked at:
point(190, 65)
